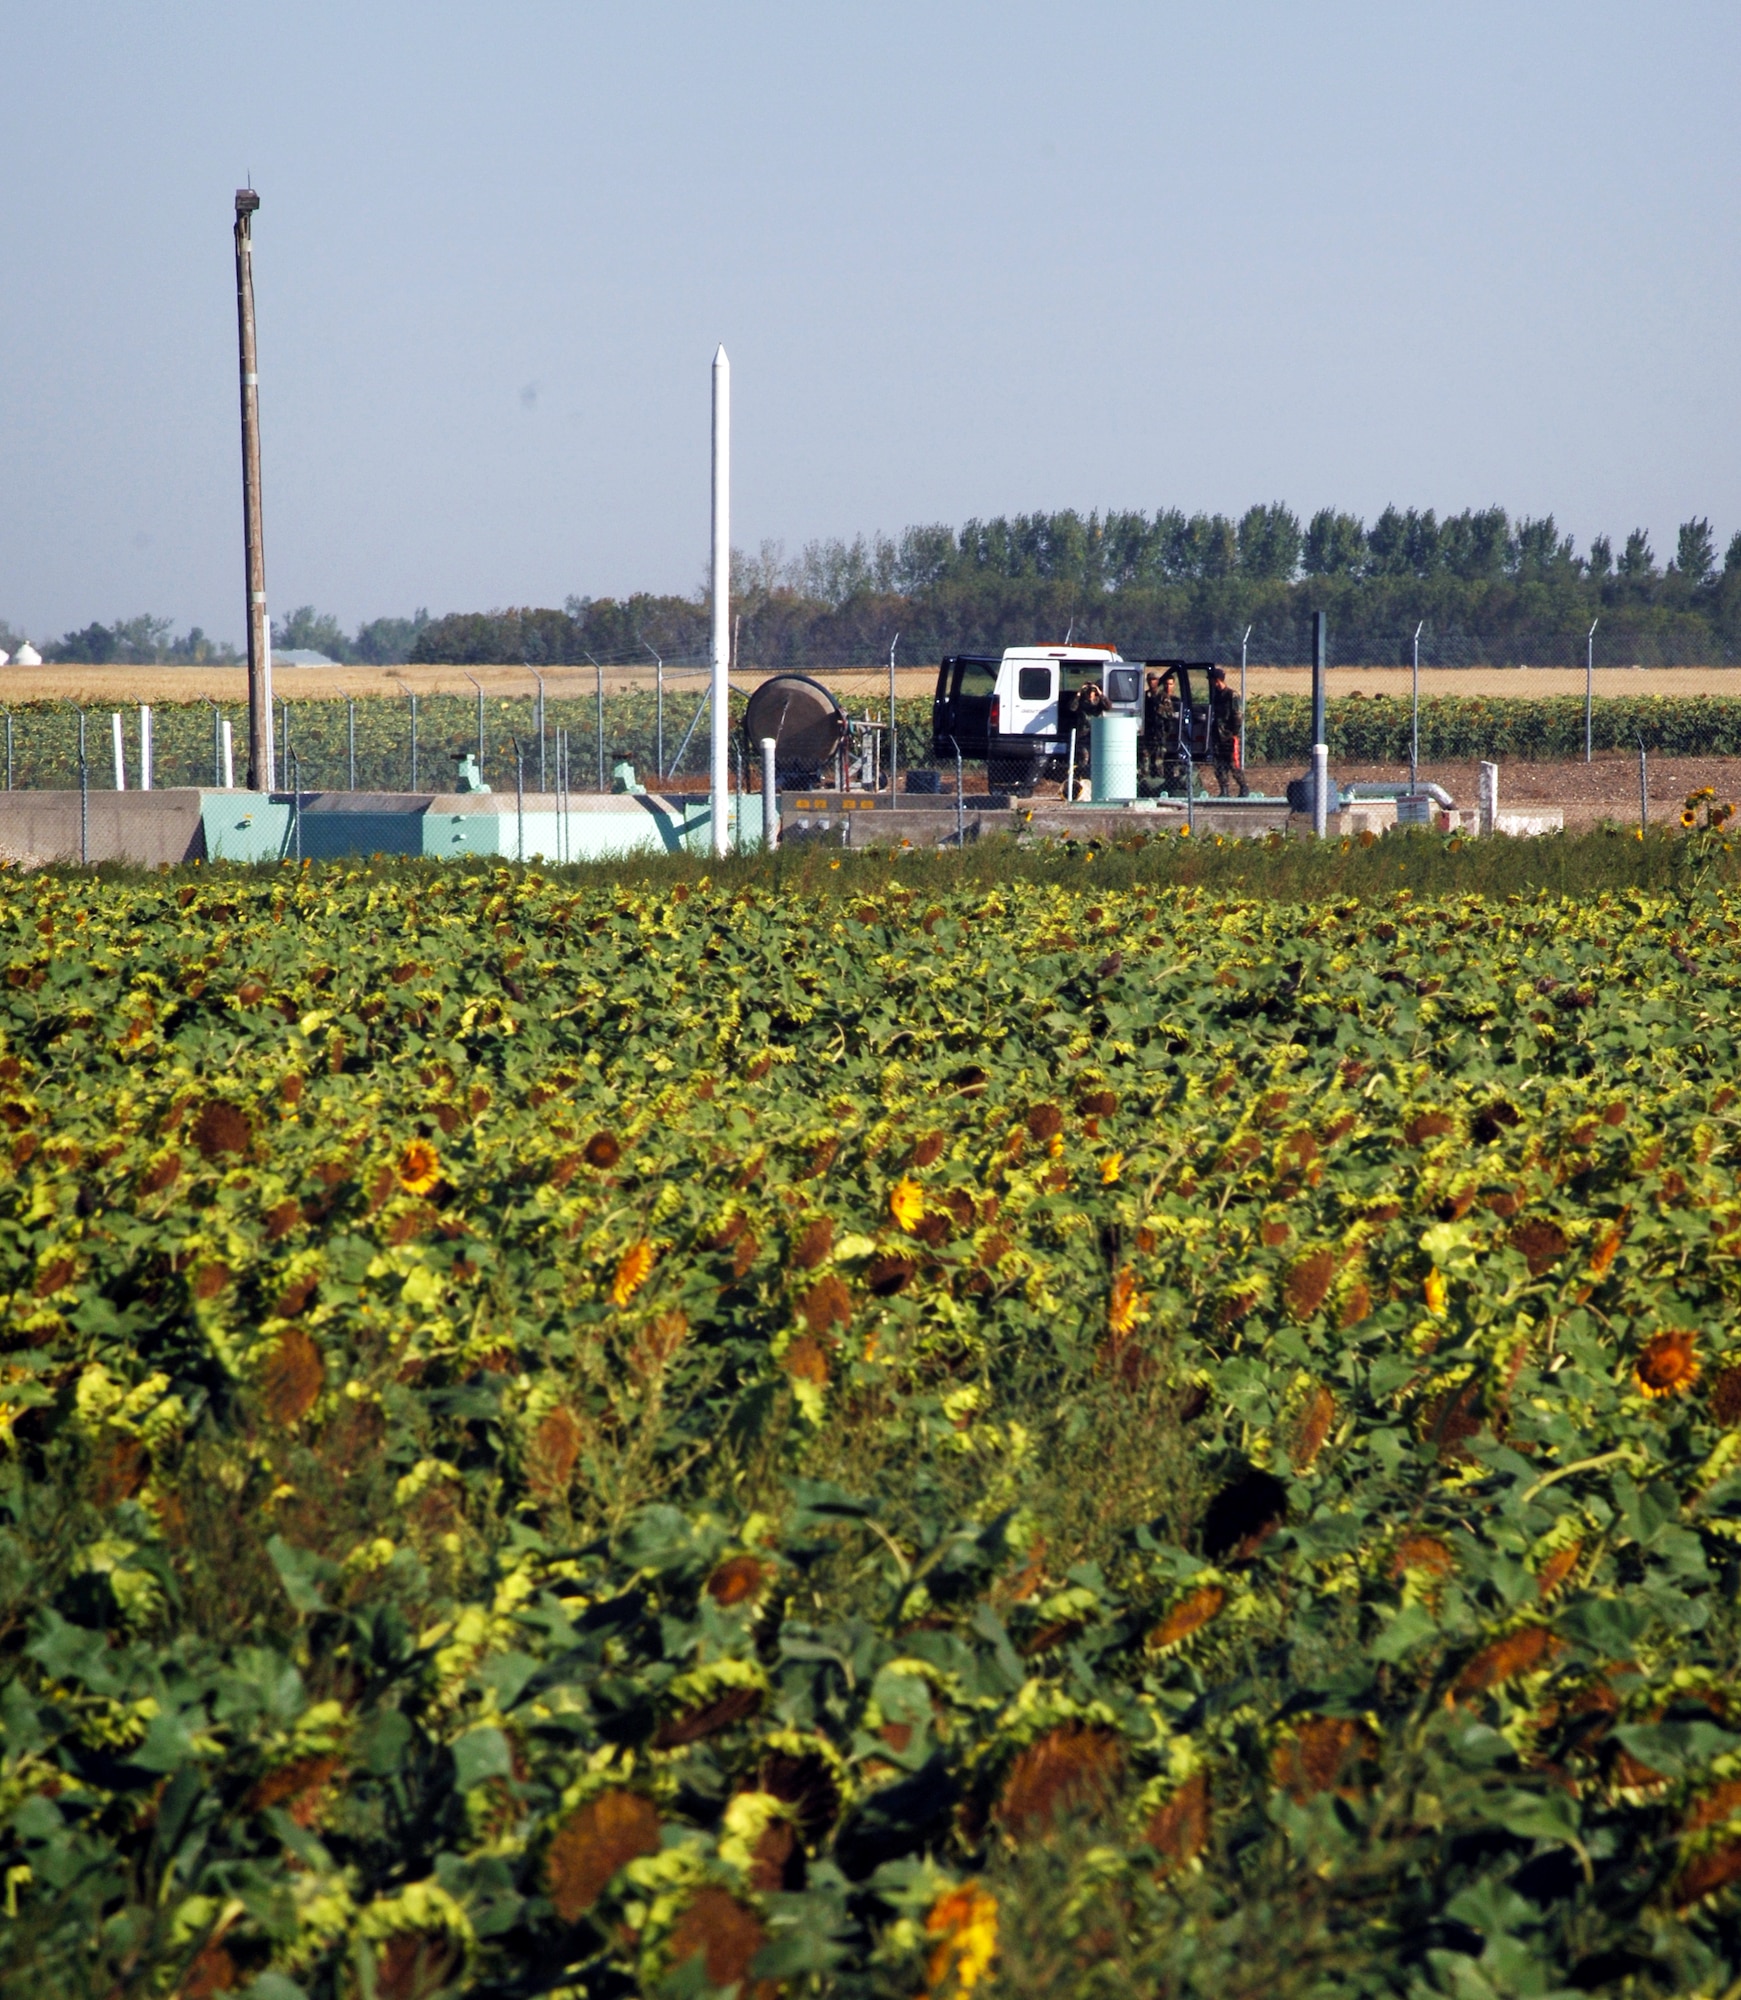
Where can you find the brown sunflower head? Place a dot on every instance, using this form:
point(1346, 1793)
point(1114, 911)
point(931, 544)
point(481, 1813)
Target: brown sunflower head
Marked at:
point(602, 1150)
point(1669, 1364)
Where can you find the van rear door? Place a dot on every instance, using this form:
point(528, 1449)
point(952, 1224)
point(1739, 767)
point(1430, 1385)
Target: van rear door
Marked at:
point(1031, 707)
point(961, 714)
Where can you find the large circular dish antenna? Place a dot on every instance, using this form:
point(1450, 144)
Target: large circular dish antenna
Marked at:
point(805, 722)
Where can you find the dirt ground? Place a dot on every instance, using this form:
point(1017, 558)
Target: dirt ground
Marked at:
point(1606, 789)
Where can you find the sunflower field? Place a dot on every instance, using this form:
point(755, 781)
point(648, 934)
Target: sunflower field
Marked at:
point(686, 1436)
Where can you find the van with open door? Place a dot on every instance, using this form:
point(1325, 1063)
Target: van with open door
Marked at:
point(1015, 711)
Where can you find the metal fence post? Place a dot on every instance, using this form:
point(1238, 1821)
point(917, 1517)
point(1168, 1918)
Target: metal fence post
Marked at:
point(1643, 793)
point(520, 795)
point(600, 676)
point(413, 695)
point(351, 737)
point(9, 749)
point(539, 678)
point(1590, 688)
point(296, 805)
point(84, 798)
point(480, 688)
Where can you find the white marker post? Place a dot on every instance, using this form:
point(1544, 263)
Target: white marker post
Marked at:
point(144, 748)
point(120, 754)
point(1320, 749)
point(721, 648)
point(770, 796)
point(229, 757)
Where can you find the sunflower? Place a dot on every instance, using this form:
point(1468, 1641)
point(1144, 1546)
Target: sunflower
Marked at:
point(1110, 1168)
point(632, 1269)
point(907, 1203)
point(1668, 1366)
point(419, 1167)
point(1689, 817)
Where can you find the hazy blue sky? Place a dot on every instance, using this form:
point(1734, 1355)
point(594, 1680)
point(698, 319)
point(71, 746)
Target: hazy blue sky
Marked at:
point(967, 259)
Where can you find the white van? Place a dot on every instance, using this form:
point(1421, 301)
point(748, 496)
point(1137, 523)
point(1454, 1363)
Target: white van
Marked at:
point(1017, 710)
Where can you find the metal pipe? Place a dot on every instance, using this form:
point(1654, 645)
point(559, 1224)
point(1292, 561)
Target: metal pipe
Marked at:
point(229, 748)
point(1643, 792)
point(961, 795)
point(1415, 721)
point(295, 764)
point(9, 749)
point(1246, 641)
point(520, 795)
point(1589, 686)
point(770, 797)
point(351, 740)
point(120, 754)
point(260, 772)
point(284, 712)
point(719, 655)
point(84, 798)
point(1069, 769)
point(217, 740)
point(539, 678)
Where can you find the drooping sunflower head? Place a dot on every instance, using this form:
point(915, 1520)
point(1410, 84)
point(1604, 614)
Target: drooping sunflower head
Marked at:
point(419, 1166)
point(1669, 1364)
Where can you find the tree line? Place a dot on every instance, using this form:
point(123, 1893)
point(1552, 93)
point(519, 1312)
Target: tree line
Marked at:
point(1483, 588)
point(147, 641)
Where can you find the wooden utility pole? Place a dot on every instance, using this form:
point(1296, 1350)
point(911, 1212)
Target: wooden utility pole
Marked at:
point(260, 774)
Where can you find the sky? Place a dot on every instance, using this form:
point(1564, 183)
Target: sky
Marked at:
point(967, 259)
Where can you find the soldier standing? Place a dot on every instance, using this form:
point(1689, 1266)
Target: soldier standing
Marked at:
point(1225, 727)
point(1156, 715)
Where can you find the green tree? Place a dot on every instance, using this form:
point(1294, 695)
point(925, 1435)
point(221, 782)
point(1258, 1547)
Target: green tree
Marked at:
point(1538, 550)
point(1637, 559)
point(1269, 543)
point(1601, 558)
point(1476, 543)
point(1696, 551)
point(1335, 544)
point(387, 642)
point(308, 630)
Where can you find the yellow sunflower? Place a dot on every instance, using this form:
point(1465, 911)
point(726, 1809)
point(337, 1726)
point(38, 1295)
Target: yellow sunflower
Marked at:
point(632, 1269)
point(907, 1203)
point(1668, 1366)
point(419, 1167)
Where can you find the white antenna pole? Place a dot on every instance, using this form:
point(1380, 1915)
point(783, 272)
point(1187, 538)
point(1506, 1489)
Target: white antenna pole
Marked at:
point(721, 648)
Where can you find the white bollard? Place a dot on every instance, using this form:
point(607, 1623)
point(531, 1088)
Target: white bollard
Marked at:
point(1320, 789)
point(120, 754)
point(144, 748)
point(770, 798)
point(1487, 801)
point(229, 757)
